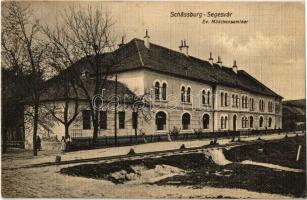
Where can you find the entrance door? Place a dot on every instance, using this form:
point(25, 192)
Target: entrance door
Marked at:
point(234, 122)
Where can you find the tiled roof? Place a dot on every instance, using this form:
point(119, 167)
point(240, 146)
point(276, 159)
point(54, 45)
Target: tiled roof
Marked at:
point(56, 91)
point(134, 55)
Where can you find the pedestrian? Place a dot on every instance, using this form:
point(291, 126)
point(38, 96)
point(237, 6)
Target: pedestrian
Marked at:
point(68, 142)
point(63, 144)
point(38, 143)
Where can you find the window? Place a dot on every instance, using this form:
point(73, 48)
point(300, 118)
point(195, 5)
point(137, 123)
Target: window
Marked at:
point(164, 91)
point(189, 94)
point(160, 121)
point(121, 118)
point(260, 121)
point(103, 120)
point(251, 121)
point(233, 101)
point(246, 102)
point(261, 105)
point(225, 122)
point(208, 97)
point(203, 97)
point(86, 116)
point(222, 99)
point(243, 102)
point(277, 108)
point(270, 122)
point(157, 90)
point(237, 101)
point(244, 122)
point(183, 94)
point(270, 106)
point(251, 103)
point(222, 122)
point(206, 120)
point(226, 99)
point(134, 120)
point(186, 121)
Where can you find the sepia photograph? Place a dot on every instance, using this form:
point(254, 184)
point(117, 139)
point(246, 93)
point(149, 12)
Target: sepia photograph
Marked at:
point(152, 99)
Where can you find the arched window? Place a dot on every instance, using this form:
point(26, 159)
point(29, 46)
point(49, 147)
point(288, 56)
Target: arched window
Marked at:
point(225, 122)
point(222, 99)
point(157, 90)
point(233, 100)
point(251, 121)
point(189, 94)
point(182, 94)
point(226, 100)
point(206, 120)
point(260, 121)
point(244, 122)
point(186, 118)
point(164, 91)
point(234, 122)
point(251, 103)
point(270, 122)
point(208, 97)
point(222, 122)
point(161, 121)
point(203, 97)
point(260, 104)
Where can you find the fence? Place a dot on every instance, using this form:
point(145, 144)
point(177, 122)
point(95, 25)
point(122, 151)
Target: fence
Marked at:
point(109, 141)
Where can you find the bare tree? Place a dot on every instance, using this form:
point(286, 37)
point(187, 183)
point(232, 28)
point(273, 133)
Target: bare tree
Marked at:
point(85, 34)
point(67, 112)
point(65, 81)
point(23, 51)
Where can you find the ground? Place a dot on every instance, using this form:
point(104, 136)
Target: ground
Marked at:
point(24, 176)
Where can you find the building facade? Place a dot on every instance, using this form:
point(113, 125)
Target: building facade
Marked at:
point(184, 93)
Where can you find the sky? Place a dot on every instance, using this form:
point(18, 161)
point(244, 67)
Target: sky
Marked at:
point(270, 46)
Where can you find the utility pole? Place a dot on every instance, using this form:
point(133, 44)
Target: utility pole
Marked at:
point(115, 111)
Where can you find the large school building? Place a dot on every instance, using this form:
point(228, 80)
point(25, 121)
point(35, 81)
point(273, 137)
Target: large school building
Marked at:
point(182, 92)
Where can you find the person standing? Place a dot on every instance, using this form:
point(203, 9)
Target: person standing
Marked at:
point(63, 144)
point(68, 143)
point(38, 143)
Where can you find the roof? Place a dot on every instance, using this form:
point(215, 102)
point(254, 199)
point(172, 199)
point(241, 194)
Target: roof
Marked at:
point(294, 107)
point(295, 103)
point(56, 91)
point(134, 55)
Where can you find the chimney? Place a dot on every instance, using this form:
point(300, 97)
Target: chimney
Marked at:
point(146, 40)
point(211, 59)
point(185, 48)
point(180, 47)
point(219, 61)
point(235, 67)
point(121, 44)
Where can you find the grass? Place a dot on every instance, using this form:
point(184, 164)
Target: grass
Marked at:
point(280, 152)
point(203, 172)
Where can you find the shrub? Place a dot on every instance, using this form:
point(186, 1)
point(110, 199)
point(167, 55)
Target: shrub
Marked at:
point(198, 132)
point(131, 152)
point(174, 132)
point(182, 146)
